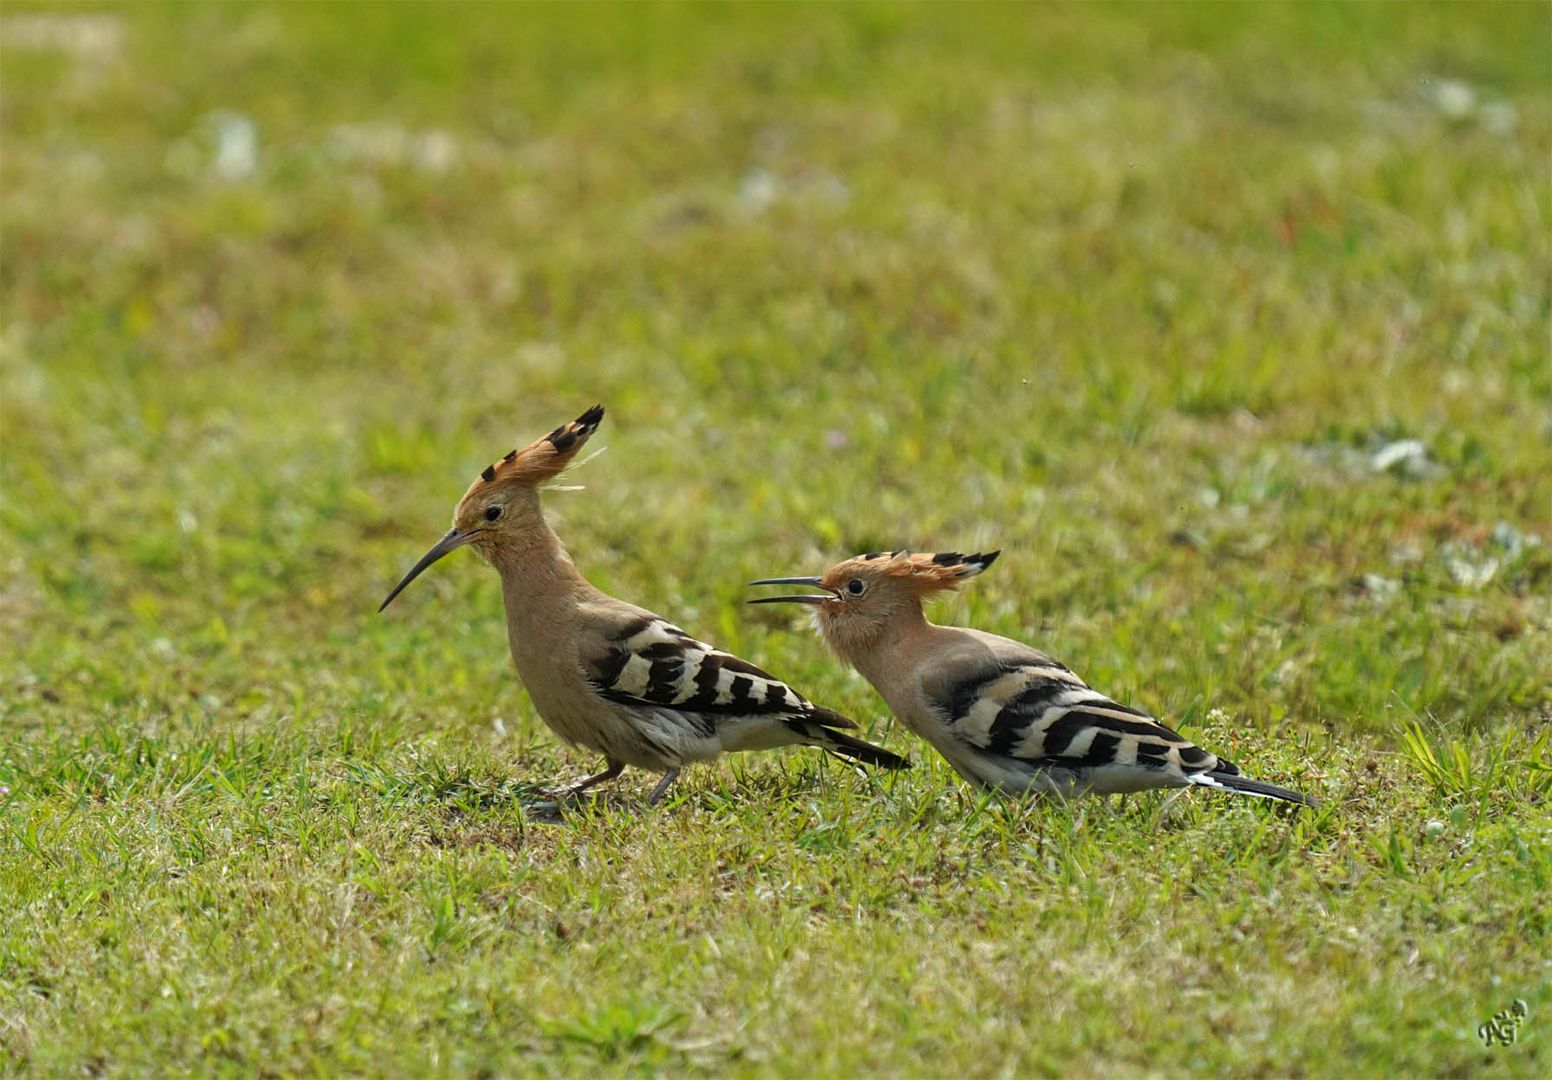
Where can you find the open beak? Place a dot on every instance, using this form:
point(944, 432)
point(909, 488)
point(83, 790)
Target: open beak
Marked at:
point(451, 542)
point(803, 598)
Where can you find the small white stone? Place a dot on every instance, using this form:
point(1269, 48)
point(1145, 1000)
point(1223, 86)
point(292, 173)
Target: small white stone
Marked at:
point(237, 144)
point(1406, 455)
point(758, 191)
point(1380, 587)
point(1454, 98)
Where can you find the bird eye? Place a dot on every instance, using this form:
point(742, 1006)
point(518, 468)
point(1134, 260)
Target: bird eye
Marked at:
point(855, 586)
point(492, 513)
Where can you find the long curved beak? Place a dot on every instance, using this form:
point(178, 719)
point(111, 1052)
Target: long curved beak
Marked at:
point(449, 543)
point(805, 598)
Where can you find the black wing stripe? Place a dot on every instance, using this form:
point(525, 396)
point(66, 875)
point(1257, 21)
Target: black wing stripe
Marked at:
point(662, 650)
point(1155, 745)
point(964, 696)
point(706, 677)
point(1150, 749)
point(1043, 714)
point(608, 671)
point(744, 667)
point(1038, 696)
point(628, 630)
point(1194, 756)
point(652, 663)
point(1061, 731)
point(1043, 683)
point(1101, 751)
point(1016, 719)
point(828, 717)
point(1147, 729)
point(663, 680)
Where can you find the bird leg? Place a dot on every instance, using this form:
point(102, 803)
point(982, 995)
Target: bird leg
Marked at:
point(571, 791)
point(662, 786)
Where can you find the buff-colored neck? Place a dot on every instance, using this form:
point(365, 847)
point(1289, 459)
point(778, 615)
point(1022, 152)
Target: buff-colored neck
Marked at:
point(539, 582)
point(880, 649)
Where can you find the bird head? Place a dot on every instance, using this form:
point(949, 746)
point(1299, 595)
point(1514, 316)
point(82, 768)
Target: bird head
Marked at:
point(862, 596)
point(503, 501)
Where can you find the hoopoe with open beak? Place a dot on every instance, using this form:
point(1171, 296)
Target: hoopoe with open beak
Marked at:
point(609, 675)
point(1004, 715)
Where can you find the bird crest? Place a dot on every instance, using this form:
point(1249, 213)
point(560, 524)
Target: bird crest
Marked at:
point(927, 571)
point(545, 458)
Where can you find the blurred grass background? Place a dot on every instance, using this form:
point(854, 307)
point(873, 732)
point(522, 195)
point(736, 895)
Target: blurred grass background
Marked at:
point(1228, 323)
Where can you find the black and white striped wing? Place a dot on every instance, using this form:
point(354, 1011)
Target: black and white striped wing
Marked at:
point(647, 661)
point(1039, 712)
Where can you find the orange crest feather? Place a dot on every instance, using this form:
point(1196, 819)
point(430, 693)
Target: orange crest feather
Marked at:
point(545, 458)
point(932, 572)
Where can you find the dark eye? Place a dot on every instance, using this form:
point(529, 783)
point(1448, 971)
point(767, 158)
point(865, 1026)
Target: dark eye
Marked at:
point(855, 586)
point(492, 513)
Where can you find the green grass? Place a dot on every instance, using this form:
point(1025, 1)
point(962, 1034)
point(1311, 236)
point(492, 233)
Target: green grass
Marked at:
point(1134, 293)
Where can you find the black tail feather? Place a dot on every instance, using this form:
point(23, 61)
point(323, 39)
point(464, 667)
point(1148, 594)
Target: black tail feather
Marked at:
point(1244, 785)
point(838, 742)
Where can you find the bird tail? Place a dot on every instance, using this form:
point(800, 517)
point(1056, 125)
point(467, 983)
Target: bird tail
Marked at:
point(1244, 785)
point(838, 742)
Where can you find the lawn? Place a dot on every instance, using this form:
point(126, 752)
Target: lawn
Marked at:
point(1228, 324)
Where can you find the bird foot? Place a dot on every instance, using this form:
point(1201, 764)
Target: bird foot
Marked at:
point(570, 791)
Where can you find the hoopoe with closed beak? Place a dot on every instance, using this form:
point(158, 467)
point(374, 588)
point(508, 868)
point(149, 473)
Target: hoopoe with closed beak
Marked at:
point(1004, 715)
point(609, 675)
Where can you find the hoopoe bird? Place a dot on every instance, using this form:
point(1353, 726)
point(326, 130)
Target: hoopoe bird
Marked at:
point(608, 675)
point(1005, 715)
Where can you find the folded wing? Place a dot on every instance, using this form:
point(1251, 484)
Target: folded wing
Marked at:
point(1015, 702)
point(640, 659)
